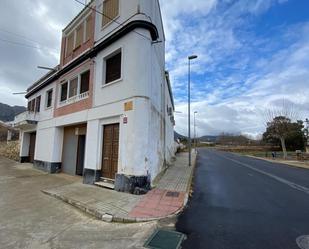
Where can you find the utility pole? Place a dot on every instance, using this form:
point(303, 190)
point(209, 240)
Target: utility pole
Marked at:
point(195, 132)
point(307, 135)
point(192, 57)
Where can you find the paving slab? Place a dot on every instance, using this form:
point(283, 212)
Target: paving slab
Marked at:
point(30, 219)
point(168, 197)
point(96, 201)
point(177, 177)
point(171, 192)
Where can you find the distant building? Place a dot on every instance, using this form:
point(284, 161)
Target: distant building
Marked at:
point(106, 111)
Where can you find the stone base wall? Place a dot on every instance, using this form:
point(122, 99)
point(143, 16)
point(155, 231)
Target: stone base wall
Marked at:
point(91, 176)
point(51, 168)
point(132, 184)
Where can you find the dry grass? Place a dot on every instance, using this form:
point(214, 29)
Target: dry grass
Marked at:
point(10, 150)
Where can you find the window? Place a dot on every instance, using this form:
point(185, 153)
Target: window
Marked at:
point(88, 28)
point(73, 87)
point(64, 92)
point(37, 103)
point(70, 43)
point(79, 35)
point(113, 68)
point(31, 105)
point(72, 90)
point(49, 98)
point(110, 11)
point(84, 82)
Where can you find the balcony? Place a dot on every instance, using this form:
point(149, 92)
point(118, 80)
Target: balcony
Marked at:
point(74, 99)
point(26, 120)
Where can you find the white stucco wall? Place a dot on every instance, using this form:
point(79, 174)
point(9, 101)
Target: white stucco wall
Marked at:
point(135, 70)
point(148, 135)
point(45, 113)
point(49, 142)
point(128, 11)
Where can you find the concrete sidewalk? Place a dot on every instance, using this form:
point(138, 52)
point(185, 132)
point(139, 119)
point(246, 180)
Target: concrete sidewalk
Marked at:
point(31, 219)
point(168, 198)
point(298, 164)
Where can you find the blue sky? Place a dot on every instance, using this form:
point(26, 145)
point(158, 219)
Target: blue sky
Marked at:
point(253, 55)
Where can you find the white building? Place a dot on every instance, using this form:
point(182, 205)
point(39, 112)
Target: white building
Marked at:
point(106, 111)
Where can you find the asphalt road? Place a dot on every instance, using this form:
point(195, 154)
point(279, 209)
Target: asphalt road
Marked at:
point(245, 203)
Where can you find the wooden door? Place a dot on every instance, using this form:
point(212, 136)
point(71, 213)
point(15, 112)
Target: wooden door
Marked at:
point(80, 155)
point(32, 147)
point(110, 151)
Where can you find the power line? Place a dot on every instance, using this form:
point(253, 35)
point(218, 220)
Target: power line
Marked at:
point(113, 20)
point(19, 44)
point(27, 45)
point(18, 35)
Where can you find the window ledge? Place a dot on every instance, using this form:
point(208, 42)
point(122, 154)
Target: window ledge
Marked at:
point(111, 83)
point(48, 108)
point(109, 23)
point(74, 50)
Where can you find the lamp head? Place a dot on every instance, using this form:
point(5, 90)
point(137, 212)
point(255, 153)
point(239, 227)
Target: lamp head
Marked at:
point(192, 57)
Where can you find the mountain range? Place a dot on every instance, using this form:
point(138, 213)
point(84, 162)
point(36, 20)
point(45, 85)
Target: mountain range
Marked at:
point(7, 113)
point(207, 138)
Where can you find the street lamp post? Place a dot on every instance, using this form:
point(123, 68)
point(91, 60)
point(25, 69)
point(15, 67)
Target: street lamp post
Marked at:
point(195, 132)
point(307, 134)
point(192, 57)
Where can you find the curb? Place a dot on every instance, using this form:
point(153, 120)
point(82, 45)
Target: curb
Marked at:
point(118, 219)
point(105, 216)
point(190, 182)
point(91, 211)
point(280, 162)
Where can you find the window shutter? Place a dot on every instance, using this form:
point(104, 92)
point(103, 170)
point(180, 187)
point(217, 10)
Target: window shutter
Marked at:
point(64, 91)
point(73, 87)
point(32, 108)
point(38, 104)
point(88, 27)
point(70, 41)
point(113, 68)
point(110, 11)
point(49, 98)
point(84, 82)
point(79, 35)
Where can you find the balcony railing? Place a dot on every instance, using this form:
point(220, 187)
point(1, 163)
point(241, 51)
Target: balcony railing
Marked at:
point(74, 99)
point(26, 118)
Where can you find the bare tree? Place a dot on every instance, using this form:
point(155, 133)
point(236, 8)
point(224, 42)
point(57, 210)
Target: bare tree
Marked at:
point(279, 123)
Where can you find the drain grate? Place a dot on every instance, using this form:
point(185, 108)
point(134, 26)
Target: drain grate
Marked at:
point(303, 242)
point(172, 194)
point(164, 239)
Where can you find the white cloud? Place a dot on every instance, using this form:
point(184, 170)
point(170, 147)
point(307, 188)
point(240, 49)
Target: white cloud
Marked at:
point(217, 31)
point(234, 102)
point(33, 23)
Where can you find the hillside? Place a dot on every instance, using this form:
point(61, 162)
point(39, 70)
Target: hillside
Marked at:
point(178, 136)
point(7, 113)
point(207, 138)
